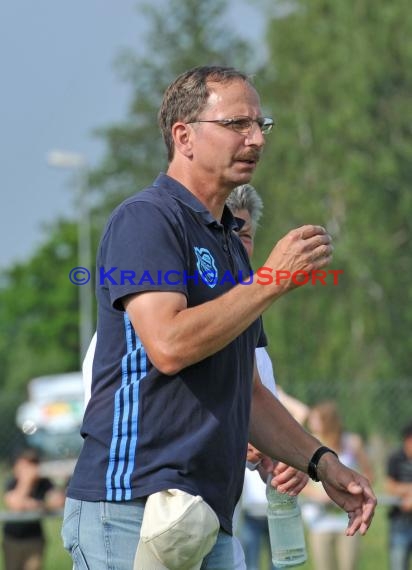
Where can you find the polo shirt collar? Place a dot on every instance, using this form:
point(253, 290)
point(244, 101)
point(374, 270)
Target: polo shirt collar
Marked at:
point(182, 194)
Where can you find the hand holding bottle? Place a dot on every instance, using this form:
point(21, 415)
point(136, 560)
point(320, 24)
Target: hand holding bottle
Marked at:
point(287, 539)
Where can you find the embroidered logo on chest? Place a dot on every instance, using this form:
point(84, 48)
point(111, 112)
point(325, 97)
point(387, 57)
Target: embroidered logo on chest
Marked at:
point(206, 266)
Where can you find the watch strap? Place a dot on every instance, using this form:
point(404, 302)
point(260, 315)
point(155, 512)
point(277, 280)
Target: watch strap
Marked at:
point(313, 463)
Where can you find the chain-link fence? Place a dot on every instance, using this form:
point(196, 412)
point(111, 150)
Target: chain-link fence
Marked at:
point(380, 407)
point(377, 410)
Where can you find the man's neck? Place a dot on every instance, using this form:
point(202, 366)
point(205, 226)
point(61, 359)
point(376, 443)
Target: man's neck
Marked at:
point(207, 191)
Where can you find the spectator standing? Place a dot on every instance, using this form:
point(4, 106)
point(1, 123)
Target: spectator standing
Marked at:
point(246, 205)
point(24, 540)
point(330, 548)
point(399, 484)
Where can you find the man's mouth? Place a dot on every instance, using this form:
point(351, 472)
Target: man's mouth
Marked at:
point(249, 162)
point(250, 159)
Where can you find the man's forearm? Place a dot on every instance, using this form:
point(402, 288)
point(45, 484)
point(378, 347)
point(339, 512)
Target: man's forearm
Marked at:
point(180, 336)
point(276, 433)
point(176, 336)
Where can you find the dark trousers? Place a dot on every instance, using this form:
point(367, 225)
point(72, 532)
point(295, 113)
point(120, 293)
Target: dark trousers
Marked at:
point(23, 554)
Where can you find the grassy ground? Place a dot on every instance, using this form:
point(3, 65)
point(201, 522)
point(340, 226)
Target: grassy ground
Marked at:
point(373, 547)
point(373, 555)
point(56, 558)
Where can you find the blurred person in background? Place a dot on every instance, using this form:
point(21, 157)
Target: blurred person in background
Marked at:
point(399, 484)
point(330, 548)
point(246, 205)
point(24, 541)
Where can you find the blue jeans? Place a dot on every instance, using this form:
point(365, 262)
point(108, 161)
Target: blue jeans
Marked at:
point(104, 536)
point(400, 544)
point(254, 536)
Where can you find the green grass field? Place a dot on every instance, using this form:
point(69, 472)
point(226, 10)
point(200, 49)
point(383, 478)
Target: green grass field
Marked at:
point(56, 558)
point(373, 556)
point(373, 547)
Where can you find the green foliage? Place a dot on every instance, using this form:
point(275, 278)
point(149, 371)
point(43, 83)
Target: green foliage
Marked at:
point(338, 80)
point(339, 83)
point(38, 311)
point(38, 304)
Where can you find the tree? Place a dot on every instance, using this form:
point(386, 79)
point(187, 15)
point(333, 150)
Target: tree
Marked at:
point(38, 304)
point(339, 81)
point(39, 312)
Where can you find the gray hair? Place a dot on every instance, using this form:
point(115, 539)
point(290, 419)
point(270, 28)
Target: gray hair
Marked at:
point(245, 197)
point(187, 96)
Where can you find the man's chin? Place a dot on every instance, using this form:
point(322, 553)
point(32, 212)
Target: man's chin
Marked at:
point(243, 175)
point(244, 171)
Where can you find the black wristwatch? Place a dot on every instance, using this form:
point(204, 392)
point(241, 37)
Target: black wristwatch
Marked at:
point(313, 463)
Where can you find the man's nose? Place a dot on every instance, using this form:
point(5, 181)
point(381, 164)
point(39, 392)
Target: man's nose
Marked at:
point(255, 136)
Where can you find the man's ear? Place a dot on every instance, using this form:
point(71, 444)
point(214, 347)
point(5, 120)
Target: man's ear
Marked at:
point(182, 136)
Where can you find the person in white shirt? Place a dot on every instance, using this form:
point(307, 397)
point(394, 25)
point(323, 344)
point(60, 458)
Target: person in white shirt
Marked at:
point(246, 205)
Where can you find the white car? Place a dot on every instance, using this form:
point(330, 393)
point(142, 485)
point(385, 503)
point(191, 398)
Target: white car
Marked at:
point(51, 417)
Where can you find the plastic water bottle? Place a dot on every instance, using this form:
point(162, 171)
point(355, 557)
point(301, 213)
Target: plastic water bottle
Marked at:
point(287, 539)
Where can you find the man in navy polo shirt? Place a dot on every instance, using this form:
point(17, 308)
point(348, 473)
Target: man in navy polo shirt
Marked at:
point(175, 396)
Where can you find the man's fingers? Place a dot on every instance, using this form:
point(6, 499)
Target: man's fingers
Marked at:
point(357, 523)
point(369, 511)
point(361, 518)
point(289, 480)
point(306, 232)
point(282, 468)
point(294, 486)
point(318, 244)
point(318, 241)
point(354, 523)
point(355, 488)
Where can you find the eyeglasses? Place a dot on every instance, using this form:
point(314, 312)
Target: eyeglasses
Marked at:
point(242, 125)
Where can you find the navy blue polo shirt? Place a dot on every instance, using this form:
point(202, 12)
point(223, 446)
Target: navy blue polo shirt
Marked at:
point(145, 431)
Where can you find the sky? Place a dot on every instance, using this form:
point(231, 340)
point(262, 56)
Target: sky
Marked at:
point(58, 84)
